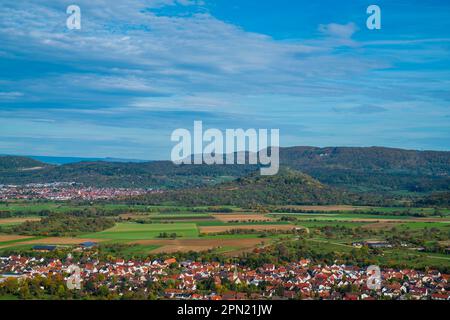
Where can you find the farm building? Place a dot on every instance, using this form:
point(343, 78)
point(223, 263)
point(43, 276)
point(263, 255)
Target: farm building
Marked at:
point(372, 244)
point(378, 244)
point(44, 248)
point(88, 244)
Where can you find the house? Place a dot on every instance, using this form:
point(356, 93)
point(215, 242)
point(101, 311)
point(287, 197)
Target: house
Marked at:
point(170, 261)
point(357, 244)
point(440, 296)
point(172, 293)
point(120, 262)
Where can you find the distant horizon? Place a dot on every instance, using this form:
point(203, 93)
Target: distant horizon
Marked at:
point(78, 158)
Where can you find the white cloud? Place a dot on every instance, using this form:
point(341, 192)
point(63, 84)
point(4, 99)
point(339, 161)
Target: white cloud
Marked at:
point(10, 95)
point(342, 31)
point(173, 54)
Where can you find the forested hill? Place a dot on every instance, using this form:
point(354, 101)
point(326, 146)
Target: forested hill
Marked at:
point(157, 174)
point(356, 169)
point(17, 163)
point(374, 168)
point(373, 158)
point(287, 187)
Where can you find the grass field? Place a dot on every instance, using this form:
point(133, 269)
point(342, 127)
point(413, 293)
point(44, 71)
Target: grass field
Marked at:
point(8, 297)
point(138, 250)
point(136, 231)
point(445, 225)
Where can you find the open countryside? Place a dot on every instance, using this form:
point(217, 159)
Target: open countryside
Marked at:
point(178, 228)
point(230, 238)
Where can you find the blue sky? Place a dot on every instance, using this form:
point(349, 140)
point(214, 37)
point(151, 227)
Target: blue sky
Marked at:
point(137, 70)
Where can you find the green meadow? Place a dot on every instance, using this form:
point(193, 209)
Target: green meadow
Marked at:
point(341, 216)
point(137, 231)
point(445, 225)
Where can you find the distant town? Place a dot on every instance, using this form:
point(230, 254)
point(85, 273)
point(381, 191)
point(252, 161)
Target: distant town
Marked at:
point(172, 279)
point(61, 191)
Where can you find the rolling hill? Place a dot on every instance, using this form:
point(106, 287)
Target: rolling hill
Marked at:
point(287, 187)
point(157, 174)
point(17, 164)
point(374, 169)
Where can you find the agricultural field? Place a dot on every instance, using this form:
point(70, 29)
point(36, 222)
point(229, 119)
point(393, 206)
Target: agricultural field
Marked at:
point(147, 230)
point(231, 217)
point(15, 221)
point(168, 229)
point(202, 244)
point(266, 227)
point(330, 208)
point(136, 231)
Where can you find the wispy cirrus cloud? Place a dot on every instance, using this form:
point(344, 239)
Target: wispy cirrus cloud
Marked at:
point(365, 109)
point(178, 52)
point(10, 95)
